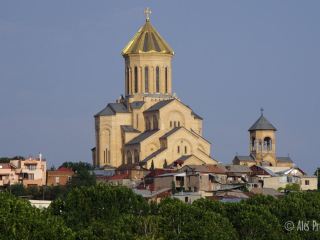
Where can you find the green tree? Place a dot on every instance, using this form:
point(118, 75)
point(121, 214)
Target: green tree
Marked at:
point(187, 222)
point(254, 222)
point(165, 164)
point(19, 220)
point(317, 173)
point(76, 166)
point(98, 203)
point(291, 187)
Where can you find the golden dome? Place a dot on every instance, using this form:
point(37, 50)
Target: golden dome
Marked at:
point(147, 40)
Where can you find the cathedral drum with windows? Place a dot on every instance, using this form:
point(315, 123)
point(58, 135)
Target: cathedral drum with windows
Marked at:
point(150, 125)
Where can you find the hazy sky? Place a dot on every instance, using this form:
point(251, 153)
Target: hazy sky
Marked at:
point(60, 63)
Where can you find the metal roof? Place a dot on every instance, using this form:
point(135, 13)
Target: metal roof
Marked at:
point(137, 104)
point(284, 159)
point(159, 105)
point(244, 158)
point(141, 137)
point(147, 40)
point(112, 109)
point(152, 155)
point(129, 128)
point(262, 124)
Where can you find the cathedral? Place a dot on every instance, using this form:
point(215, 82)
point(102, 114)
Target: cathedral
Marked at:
point(149, 126)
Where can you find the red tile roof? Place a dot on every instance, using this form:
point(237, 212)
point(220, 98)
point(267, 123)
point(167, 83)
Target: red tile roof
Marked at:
point(118, 177)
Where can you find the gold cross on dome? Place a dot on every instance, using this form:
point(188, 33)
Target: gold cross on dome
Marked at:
point(147, 13)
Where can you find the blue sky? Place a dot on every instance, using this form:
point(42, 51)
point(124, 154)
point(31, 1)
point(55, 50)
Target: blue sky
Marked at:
point(60, 63)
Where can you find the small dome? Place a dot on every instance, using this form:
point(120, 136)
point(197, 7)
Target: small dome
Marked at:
point(147, 40)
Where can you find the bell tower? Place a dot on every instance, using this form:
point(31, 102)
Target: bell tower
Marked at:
point(263, 141)
point(147, 63)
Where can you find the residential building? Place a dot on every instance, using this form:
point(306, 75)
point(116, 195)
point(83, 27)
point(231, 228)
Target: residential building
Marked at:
point(8, 175)
point(60, 176)
point(29, 172)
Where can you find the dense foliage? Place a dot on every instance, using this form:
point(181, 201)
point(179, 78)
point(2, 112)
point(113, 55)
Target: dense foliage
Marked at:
point(106, 212)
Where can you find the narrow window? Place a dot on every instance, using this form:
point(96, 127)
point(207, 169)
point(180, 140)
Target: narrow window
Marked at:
point(127, 79)
point(157, 79)
point(146, 79)
point(107, 155)
point(129, 157)
point(185, 149)
point(166, 80)
point(170, 124)
point(178, 124)
point(135, 79)
point(175, 124)
point(178, 150)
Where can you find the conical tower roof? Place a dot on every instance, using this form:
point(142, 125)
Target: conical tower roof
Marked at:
point(262, 124)
point(147, 40)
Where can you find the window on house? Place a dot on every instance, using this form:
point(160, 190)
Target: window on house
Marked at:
point(178, 150)
point(69, 178)
point(178, 124)
point(170, 124)
point(135, 79)
point(175, 124)
point(30, 176)
point(307, 182)
point(157, 79)
point(32, 167)
point(186, 199)
point(146, 79)
point(57, 179)
point(185, 149)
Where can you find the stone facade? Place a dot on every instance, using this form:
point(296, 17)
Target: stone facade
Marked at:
point(149, 126)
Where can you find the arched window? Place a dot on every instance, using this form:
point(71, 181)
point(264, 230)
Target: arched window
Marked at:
point(127, 79)
point(157, 79)
point(129, 157)
point(253, 143)
point(136, 156)
point(185, 150)
point(155, 123)
point(148, 124)
point(135, 79)
point(267, 144)
point(260, 145)
point(166, 80)
point(146, 79)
